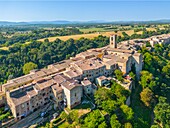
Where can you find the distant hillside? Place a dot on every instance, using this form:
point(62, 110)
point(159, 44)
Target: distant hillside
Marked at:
point(64, 22)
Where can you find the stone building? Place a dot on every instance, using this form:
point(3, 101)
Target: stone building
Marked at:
point(67, 81)
point(160, 39)
point(87, 86)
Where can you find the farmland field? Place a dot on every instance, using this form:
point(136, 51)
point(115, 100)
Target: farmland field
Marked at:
point(4, 48)
point(86, 30)
point(92, 35)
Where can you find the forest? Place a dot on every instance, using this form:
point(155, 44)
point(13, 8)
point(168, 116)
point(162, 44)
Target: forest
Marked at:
point(21, 35)
point(42, 54)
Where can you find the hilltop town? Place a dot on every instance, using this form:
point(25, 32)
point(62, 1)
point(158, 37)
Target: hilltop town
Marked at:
point(65, 83)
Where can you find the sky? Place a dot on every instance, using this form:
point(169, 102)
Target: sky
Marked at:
point(11, 10)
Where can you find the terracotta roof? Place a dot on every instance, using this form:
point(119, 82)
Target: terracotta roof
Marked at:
point(49, 71)
point(20, 98)
point(57, 88)
point(62, 65)
point(9, 85)
point(85, 54)
point(113, 59)
point(86, 82)
point(32, 93)
point(102, 78)
point(60, 78)
point(111, 62)
point(119, 50)
point(72, 73)
point(45, 84)
point(40, 73)
point(89, 64)
point(70, 84)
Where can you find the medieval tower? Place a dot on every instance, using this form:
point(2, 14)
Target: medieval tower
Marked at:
point(113, 43)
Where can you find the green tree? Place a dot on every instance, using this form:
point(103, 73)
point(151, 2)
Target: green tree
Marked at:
point(147, 60)
point(162, 112)
point(118, 90)
point(147, 97)
point(4, 116)
point(46, 40)
point(119, 75)
point(148, 44)
point(109, 106)
point(166, 69)
point(93, 119)
point(103, 94)
point(132, 75)
point(147, 80)
point(114, 122)
point(127, 112)
point(155, 126)
point(103, 125)
point(28, 67)
point(128, 125)
point(73, 116)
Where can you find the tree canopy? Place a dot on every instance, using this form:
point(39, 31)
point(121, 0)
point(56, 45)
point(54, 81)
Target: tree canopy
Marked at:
point(28, 67)
point(147, 97)
point(119, 74)
point(114, 122)
point(127, 112)
point(94, 119)
point(162, 113)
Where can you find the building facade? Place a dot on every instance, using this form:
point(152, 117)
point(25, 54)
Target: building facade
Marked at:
point(67, 81)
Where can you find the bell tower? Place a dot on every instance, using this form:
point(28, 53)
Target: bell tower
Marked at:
point(113, 43)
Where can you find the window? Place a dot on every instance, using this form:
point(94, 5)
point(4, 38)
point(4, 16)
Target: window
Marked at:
point(75, 94)
point(17, 114)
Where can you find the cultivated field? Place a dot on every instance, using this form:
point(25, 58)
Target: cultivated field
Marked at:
point(100, 31)
point(4, 48)
point(90, 36)
point(86, 30)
